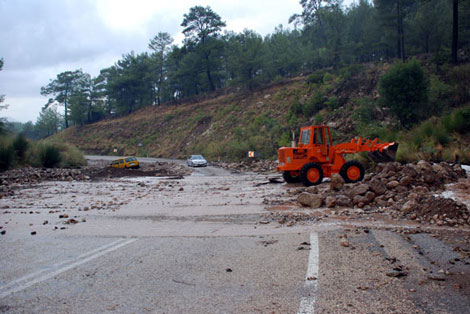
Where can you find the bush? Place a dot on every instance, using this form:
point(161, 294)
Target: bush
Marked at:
point(461, 77)
point(404, 89)
point(71, 156)
point(333, 103)
point(20, 146)
point(313, 104)
point(365, 111)
point(351, 71)
point(439, 95)
point(319, 119)
point(50, 156)
point(328, 77)
point(315, 78)
point(6, 157)
point(458, 121)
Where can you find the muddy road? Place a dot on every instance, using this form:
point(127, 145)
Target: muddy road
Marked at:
point(213, 241)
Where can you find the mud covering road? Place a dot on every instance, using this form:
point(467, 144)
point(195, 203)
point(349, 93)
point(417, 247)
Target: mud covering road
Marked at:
point(207, 240)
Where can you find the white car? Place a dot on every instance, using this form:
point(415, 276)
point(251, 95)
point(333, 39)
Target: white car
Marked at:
point(196, 161)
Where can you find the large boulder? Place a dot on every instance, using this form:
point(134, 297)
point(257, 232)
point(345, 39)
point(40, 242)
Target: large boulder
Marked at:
point(343, 201)
point(330, 201)
point(359, 189)
point(377, 187)
point(311, 200)
point(337, 182)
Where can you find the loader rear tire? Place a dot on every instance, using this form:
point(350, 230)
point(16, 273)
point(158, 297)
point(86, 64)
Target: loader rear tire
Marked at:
point(311, 174)
point(289, 178)
point(352, 171)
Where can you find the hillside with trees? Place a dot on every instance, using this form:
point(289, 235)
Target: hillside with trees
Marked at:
point(376, 68)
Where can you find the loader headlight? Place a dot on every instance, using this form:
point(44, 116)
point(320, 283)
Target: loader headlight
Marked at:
point(281, 164)
point(288, 160)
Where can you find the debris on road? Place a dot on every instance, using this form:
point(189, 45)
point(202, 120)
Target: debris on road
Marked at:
point(411, 191)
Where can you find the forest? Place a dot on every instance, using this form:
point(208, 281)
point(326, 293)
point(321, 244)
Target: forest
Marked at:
point(325, 34)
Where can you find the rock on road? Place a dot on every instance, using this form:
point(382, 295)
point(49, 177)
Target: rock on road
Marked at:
point(208, 243)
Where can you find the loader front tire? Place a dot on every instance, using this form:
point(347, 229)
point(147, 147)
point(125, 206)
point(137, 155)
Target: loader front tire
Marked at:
point(289, 178)
point(352, 171)
point(311, 174)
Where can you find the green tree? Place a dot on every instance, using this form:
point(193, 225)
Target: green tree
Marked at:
point(62, 88)
point(49, 122)
point(404, 89)
point(201, 29)
point(129, 83)
point(391, 14)
point(361, 33)
point(160, 44)
point(245, 57)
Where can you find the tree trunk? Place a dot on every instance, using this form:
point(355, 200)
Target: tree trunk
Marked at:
point(65, 112)
point(455, 31)
point(398, 31)
point(401, 33)
point(208, 71)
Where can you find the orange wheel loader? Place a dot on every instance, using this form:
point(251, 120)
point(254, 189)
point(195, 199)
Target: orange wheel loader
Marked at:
point(315, 157)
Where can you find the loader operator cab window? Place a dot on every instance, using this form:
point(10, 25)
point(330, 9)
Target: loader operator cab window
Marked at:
point(305, 137)
point(318, 136)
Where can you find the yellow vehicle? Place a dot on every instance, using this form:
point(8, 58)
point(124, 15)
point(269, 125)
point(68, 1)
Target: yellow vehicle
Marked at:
point(126, 162)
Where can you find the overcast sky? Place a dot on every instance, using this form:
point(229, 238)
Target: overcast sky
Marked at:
point(42, 38)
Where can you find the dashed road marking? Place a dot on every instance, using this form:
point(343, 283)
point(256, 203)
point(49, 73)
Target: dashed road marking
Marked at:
point(307, 303)
point(54, 270)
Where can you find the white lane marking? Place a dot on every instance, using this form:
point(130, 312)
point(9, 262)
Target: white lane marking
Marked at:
point(55, 270)
point(52, 267)
point(307, 304)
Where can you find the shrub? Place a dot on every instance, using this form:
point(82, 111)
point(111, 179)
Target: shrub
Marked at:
point(350, 71)
point(439, 95)
point(461, 77)
point(20, 146)
point(333, 103)
point(365, 111)
point(6, 157)
point(404, 89)
point(71, 156)
point(328, 77)
point(313, 104)
point(315, 77)
point(458, 121)
point(50, 156)
point(319, 119)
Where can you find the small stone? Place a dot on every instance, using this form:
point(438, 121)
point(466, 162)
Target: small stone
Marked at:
point(437, 277)
point(33, 232)
point(396, 273)
point(228, 270)
point(3, 232)
point(344, 243)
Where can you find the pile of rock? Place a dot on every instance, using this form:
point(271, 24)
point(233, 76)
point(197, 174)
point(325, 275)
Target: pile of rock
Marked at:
point(403, 190)
point(29, 175)
point(251, 165)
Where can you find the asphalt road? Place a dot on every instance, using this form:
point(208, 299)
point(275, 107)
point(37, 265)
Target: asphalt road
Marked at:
point(208, 244)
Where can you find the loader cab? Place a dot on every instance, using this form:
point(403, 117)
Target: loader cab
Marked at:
point(318, 137)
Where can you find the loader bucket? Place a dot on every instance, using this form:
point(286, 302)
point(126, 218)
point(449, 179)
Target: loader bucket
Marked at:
point(386, 155)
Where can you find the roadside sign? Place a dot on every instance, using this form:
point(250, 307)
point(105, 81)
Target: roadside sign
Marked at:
point(251, 154)
point(115, 150)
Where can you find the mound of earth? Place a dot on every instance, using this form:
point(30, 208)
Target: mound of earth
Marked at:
point(158, 169)
point(411, 191)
